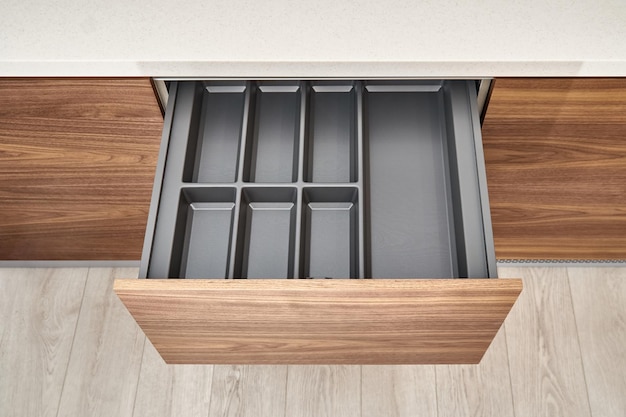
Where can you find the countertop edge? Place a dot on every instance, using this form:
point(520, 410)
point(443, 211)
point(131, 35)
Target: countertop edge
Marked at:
point(301, 69)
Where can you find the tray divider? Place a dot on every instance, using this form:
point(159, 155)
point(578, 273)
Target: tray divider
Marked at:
point(361, 198)
point(247, 124)
point(234, 234)
point(450, 213)
point(304, 97)
point(238, 185)
point(298, 233)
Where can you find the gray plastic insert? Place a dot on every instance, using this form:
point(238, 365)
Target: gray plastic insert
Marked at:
point(320, 179)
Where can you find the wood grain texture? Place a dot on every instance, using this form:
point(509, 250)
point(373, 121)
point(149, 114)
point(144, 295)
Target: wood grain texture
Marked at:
point(172, 390)
point(599, 299)
point(477, 390)
point(555, 153)
point(104, 366)
point(398, 390)
point(39, 309)
point(409, 321)
point(249, 391)
point(324, 391)
point(77, 163)
point(547, 376)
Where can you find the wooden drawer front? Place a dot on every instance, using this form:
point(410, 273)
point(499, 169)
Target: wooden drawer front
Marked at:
point(409, 321)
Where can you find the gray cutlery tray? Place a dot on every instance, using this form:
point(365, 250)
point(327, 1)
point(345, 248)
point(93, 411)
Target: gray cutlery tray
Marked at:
point(320, 179)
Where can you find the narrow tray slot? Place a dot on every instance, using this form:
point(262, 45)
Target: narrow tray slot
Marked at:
point(331, 143)
point(330, 233)
point(205, 217)
point(265, 246)
point(272, 154)
point(406, 182)
point(212, 156)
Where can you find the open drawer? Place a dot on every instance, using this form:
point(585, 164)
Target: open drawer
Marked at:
point(345, 205)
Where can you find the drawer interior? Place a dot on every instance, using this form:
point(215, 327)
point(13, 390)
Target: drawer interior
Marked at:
point(320, 179)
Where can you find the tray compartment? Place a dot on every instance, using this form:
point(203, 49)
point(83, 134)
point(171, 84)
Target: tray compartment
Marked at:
point(408, 226)
point(204, 228)
point(212, 156)
point(272, 151)
point(266, 237)
point(331, 149)
point(330, 233)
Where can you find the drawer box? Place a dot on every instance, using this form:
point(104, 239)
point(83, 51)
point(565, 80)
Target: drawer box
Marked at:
point(376, 188)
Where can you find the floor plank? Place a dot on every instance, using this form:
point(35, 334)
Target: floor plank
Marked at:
point(39, 309)
point(324, 391)
point(477, 390)
point(172, 390)
point(547, 377)
point(599, 297)
point(248, 391)
point(104, 366)
point(398, 391)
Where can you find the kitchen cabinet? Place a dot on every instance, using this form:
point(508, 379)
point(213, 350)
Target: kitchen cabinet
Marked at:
point(534, 144)
point(338, 41)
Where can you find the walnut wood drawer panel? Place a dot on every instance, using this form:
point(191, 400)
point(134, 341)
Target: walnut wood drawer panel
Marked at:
point(317, 222)
point(407, 321)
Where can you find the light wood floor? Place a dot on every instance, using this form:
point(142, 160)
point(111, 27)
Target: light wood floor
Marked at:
point(69, 348)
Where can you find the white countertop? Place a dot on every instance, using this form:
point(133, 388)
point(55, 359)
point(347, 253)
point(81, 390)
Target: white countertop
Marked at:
point(313, 38)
